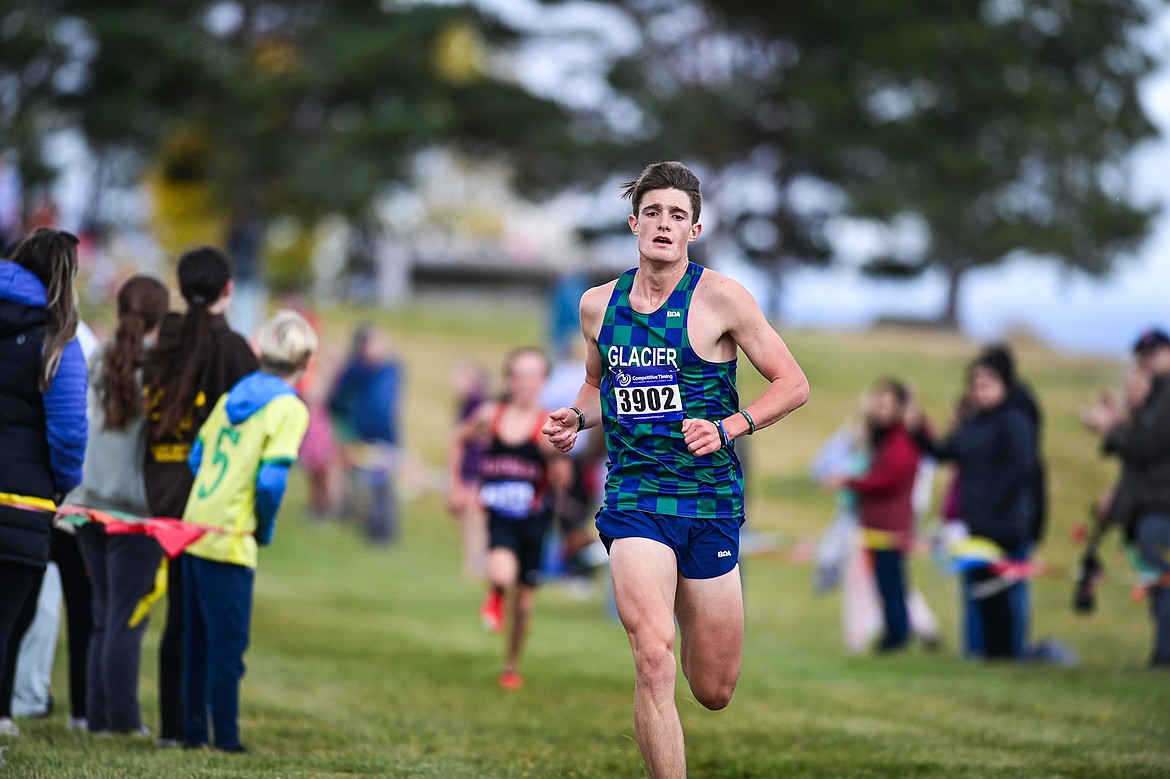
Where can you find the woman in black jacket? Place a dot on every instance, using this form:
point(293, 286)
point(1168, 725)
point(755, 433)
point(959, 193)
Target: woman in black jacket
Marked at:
point(994, 450)
point(42, 426)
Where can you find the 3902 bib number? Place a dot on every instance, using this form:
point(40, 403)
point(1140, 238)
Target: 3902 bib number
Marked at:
point(647, 394)
point(643, 399)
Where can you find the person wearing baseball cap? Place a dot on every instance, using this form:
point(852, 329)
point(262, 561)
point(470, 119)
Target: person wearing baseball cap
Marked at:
point(1142, 443)
point(1151, 342)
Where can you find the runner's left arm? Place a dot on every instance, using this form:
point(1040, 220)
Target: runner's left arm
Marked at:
point(787, 388)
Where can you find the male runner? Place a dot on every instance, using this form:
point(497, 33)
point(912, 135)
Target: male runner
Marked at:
point(660, 378)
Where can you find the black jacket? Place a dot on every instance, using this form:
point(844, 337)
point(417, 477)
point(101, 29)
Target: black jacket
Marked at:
point(1143, 445)
point(40, 453)
point(995, 452)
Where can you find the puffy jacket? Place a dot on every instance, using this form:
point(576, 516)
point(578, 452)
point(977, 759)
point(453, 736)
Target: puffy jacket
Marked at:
point(996, 454)
point(43, 435)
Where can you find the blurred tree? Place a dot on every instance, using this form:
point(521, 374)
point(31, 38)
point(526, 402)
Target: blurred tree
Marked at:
point(297, 108)
point(990, 127)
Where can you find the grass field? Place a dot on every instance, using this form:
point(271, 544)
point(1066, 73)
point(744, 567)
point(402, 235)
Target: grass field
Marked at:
point(371, 662)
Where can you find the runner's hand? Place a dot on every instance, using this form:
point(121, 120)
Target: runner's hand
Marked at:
point(561, 429)
point(701, 436)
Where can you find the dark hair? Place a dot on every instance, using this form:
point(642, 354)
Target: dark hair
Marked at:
point(665, 175)
point(995, 365)
point(999, 358)
point(142, 303)
point(895, 387)
point(51, 256)
point(175, 368)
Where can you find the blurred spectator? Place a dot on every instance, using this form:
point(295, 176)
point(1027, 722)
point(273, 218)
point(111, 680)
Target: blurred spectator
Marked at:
point(364, 406)
point(11, 204)
point(65, 579)
point(1110, 506)
point(245, 239)
point(197, 359)
point(576, 504)
point(1143, 503)
point(995, 450)
point(862, 466)
point(1021, 397)
point(884, 490)
point(564, 315)
point(121, 567)
point(42, 393)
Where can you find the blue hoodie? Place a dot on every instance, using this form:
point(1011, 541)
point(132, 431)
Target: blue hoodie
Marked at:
point(249, 395)
point(22, 309)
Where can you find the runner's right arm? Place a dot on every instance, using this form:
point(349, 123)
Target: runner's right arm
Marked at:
point(561, 427)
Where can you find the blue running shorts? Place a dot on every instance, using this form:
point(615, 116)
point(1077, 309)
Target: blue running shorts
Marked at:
point(704, 548)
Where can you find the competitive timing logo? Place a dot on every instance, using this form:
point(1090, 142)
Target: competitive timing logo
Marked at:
point(622, 379)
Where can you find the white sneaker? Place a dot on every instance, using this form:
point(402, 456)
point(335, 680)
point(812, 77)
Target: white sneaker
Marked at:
point(77, 723)
point(8, 727)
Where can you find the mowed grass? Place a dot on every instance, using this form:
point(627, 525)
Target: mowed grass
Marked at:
point(371, 662)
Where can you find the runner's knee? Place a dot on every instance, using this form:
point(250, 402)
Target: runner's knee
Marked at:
point(713, 694)
point(654, 663)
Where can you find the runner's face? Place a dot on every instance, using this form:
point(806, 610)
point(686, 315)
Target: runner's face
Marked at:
point(664, 225)
point(525, 378)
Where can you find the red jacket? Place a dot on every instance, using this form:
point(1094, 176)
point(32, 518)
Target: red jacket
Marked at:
point(884, 491)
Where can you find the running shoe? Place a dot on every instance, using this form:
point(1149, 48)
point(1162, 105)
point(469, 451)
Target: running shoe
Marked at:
point(491, 611)
point(510, 680)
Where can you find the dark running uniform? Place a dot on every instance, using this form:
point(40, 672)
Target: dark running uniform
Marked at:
point(514, 487)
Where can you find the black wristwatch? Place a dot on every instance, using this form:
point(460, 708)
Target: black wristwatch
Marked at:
point(580, 417)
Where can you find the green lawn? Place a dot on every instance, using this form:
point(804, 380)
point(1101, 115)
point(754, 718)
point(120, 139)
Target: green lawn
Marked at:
point(371, 662)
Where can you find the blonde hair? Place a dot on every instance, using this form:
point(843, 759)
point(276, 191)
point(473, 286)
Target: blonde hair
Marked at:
point(286, 341)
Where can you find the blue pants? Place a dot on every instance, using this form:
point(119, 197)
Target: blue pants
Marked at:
point(217, 601)
point(889, 571)
point(1153, 541)
point(1018, 611)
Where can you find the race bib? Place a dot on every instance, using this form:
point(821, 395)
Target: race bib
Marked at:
point(647, 393)
point(508, 498)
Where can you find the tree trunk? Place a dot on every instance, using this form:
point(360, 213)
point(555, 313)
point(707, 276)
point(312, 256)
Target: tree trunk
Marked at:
point(950, 314)
point(772, 304)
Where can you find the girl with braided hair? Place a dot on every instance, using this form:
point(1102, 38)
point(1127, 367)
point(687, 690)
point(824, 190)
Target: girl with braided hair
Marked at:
point(121, 567)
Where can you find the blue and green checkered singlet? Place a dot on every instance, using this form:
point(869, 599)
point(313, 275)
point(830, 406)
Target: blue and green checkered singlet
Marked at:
point(652, 381)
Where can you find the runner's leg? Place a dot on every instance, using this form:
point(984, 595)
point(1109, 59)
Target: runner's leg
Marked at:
point(710, 620)
point(645, 579)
